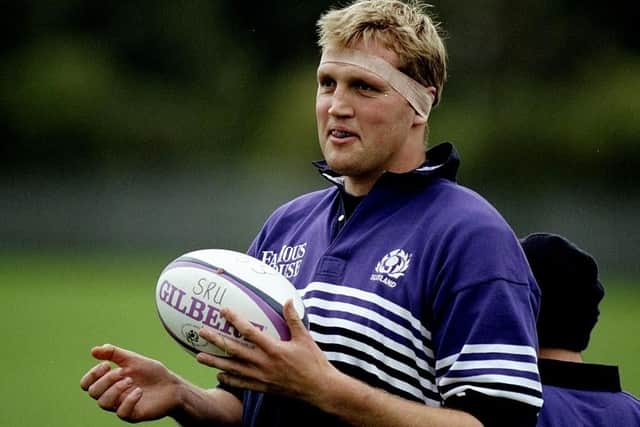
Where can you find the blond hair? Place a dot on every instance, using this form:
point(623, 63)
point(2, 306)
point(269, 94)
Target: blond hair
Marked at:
point(405, 28)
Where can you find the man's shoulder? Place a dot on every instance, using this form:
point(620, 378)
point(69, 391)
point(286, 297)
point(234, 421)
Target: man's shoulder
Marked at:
point(460, 193)
point(293, 215)
point(461, 205)
point(303, 204)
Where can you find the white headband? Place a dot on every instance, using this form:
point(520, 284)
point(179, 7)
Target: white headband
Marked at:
point(416, 94)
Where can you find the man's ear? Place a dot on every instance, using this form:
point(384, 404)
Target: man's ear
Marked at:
point(419, 119)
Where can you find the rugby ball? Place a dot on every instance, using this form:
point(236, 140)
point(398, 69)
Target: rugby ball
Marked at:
point(194, 287)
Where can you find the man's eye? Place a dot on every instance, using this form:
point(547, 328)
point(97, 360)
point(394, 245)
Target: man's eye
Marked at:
point(364, 87)
point(326, 83)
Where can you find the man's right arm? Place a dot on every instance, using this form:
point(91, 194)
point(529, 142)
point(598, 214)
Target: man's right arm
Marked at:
point(143, 389)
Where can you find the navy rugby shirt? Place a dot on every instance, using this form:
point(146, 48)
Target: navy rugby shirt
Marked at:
point(584, 394)
point(424, 292)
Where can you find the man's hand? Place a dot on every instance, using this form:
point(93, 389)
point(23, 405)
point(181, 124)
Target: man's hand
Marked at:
point(139, 389)
point(295, 368)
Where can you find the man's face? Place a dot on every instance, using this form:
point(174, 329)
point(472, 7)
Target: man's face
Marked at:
point(364, 126)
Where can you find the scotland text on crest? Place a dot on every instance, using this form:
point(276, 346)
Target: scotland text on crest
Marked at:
point(391, 267)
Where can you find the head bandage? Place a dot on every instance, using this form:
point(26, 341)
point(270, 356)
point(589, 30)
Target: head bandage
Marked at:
point(416, 94)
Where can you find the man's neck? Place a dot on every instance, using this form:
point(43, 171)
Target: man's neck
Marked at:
point(361, 184)
point(560, 354)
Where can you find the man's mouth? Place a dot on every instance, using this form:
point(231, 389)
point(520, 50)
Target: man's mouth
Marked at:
point(341, 133)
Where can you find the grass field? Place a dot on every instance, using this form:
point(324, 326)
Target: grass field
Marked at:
point(55, 307)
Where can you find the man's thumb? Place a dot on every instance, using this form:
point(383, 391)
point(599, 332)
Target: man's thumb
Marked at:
point(111, 353)
point(293, 319)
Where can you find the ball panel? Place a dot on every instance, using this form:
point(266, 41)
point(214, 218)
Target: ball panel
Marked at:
point(269, 306)
point(183, 315)
point(264, 278)
point(193, 288)
point(250, 270)
point(194, 348)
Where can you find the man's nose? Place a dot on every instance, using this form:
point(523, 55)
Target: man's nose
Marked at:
point(340, 103)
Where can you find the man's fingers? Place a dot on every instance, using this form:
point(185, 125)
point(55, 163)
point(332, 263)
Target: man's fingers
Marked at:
point(296, 327)
point(231, 365)
point(94, 374)
point(230, 346)
point(222, 363)
point(246, 329)
point(128, 405)
point(111, 397)
point(103, 383)
point(212, 361)
point(111, 352)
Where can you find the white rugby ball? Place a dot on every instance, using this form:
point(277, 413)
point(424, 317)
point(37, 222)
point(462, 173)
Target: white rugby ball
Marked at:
point(194, 287)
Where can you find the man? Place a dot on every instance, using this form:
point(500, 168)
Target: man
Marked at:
point(575, 393)
point(420, 301)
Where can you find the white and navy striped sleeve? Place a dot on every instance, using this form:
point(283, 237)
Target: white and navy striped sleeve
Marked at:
point(484, 325)
point(491, 357)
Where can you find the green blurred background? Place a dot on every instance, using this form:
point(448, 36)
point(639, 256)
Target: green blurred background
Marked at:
point(134, 131)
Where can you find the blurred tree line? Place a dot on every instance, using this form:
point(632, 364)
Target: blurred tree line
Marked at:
point(539, 92)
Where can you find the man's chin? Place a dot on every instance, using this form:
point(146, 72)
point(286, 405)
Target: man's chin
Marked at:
point(340, 166)
point(345, 162)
